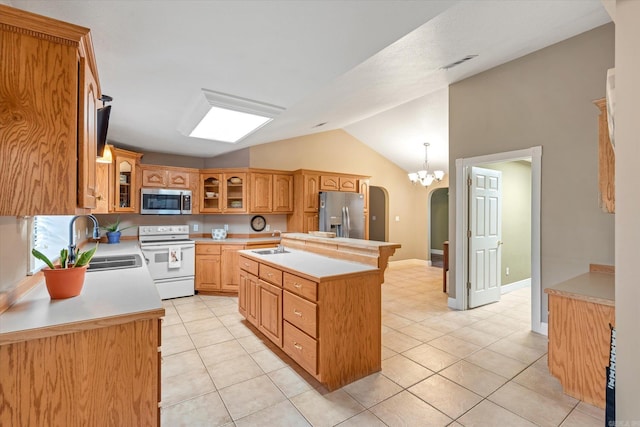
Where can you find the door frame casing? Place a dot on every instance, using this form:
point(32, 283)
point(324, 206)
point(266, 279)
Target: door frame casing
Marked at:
point(460, 302)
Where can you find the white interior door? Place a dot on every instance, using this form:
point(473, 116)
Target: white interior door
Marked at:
point(485, 224)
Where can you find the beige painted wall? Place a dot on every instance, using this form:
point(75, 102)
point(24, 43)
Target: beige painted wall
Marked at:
point(544, 98)
point(516, 220)
point(338, 151)
point(627, 211)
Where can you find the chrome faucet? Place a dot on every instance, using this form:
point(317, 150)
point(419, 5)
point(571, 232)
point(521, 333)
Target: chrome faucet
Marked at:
point(276, 231)
point(72, 247)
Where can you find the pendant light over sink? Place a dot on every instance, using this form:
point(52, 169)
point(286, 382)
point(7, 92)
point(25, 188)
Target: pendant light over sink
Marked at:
point(423, 176)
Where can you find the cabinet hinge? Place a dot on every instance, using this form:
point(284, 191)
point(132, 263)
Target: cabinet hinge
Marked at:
point(468, 286)
point(469, 182)
point(468, 234)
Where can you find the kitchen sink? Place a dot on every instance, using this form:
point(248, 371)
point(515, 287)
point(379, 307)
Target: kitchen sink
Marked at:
point(271, 251)
point(114, 262)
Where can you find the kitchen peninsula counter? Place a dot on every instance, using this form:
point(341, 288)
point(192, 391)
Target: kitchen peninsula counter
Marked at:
point(108, 297)
point(87, 360)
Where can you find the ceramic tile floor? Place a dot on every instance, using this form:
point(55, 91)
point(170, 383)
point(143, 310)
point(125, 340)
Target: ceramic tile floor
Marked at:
point(440, 367)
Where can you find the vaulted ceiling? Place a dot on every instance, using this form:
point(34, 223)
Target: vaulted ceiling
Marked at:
point(373, 68)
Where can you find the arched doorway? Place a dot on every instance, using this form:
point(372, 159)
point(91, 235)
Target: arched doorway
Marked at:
point(378, 225)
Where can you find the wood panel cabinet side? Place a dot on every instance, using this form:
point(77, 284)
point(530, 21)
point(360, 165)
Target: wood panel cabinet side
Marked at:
point(87, 136)
point(606, 161)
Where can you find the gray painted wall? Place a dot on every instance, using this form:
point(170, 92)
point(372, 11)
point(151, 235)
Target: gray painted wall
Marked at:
point(439, 218)
point(544, 98)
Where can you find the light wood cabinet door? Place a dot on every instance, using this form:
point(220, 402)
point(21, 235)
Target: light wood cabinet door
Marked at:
point(270, 311)
point(87, 137)
point(154, 177)
point(311, 222)
point(125, 184)
point(363, 188)
point(234, 194)
point(207, 272)
point(261, 189)
point(311, 190)
point(243, 292)
point(329, 183)
point(211, 193)
point(230, 267)
point(348, 184)
point(178, 179)
point(282, 193)
point(253, 307)
point(102, 188)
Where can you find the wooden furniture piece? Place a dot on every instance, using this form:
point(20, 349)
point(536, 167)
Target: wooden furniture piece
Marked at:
point(445, 264)
point(581, 310)
point(49, 88)
point(329, 325)
point(367, 252)
point(223, 191)
point(606, 161)
point(207, 268)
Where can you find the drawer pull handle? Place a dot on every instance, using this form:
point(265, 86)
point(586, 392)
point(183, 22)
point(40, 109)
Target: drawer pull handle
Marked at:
point(246, 264)
point(297, 313)
point(270, 274)
point(296, 345)
point(297, 285)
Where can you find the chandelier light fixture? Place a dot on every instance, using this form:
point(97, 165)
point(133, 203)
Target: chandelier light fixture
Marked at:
point(423, 176)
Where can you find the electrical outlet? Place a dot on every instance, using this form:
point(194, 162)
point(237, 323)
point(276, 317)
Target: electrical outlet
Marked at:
point(267, 228)
point(226, 227)
point(506, 271)
point(195, 227)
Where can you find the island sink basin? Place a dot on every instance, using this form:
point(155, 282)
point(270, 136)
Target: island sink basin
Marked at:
point(271, 251)
point(114, 262)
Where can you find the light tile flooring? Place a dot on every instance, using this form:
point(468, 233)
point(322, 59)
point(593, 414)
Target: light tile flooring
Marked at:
point(440, 367)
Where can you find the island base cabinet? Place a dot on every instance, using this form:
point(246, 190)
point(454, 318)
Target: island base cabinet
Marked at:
point(270, 311)
point(71, 380)
point(302, 348)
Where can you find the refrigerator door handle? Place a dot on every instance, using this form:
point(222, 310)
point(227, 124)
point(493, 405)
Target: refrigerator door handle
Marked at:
point(348, 221)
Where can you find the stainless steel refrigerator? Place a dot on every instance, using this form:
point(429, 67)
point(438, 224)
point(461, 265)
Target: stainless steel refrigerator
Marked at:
point(342, 213)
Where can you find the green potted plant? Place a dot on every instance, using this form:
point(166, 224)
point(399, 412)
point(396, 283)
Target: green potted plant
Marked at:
point(113, 231)
point(65, 280)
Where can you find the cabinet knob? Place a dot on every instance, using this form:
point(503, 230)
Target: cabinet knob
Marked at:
point(296, 345)
point(297, 313)
point(297, 285)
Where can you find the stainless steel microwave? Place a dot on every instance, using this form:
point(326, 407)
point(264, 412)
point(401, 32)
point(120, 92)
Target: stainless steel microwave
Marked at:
point(165, 201)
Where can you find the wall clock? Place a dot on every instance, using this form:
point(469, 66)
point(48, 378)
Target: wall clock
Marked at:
point(258, 223)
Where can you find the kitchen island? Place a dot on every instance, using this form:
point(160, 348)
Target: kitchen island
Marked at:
point(324, 313)
point(88, 360)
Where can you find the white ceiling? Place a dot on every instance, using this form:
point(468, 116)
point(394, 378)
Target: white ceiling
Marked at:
point(372, 68)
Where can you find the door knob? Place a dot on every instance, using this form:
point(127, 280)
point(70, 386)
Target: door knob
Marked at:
point(500, 242)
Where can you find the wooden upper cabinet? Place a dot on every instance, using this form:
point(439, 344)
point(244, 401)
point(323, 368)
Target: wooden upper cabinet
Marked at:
point(606, 161)
point(282, 193)
point(261, 191)
point(338, 183)
point(102, 188)
point(125, 184)
point(310, 192)
point(363, 188)
point(160, 177)
point(211, 193)
point(49, 88)
point(234, 192)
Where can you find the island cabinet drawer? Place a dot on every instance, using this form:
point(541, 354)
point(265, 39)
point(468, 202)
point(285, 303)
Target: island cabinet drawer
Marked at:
point(270, 274)
point(207, 249)
point(300, 313)
point(249, 265)
point(301, 347)
point(305, 288)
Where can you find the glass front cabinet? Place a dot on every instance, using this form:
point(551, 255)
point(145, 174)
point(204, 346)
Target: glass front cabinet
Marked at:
point(223, 192)
point(124, 180)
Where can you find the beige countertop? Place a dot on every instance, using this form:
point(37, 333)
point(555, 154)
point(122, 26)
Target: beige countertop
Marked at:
point(106, 297)
point(313, 266)
point(593, 287)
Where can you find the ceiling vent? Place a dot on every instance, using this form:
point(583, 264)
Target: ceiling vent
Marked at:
point(458, 62)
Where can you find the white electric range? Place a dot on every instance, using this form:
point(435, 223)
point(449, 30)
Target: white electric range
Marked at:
point(170, 257)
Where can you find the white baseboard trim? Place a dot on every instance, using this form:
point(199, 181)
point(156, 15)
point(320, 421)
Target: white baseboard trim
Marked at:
point(453, 304)
point(515, 285)
point(543, 329)
point(408, 262)
point(437, 251)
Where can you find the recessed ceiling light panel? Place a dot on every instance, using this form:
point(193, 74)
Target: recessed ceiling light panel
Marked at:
point(226, 118)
